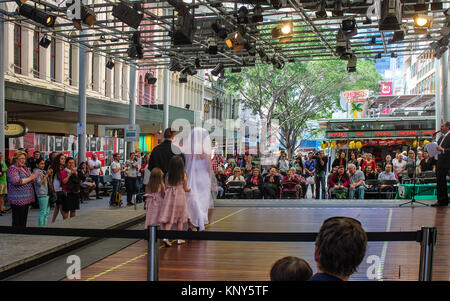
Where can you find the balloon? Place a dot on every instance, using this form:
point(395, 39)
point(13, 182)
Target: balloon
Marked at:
point(425, 142)
point(358, 144)
point(351, 144)
point(415, 143)
point(333, 145)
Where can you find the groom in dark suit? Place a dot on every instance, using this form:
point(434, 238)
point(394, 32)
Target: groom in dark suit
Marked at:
point(443, 165)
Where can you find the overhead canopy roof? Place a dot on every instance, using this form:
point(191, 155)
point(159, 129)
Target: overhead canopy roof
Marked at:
point(111, 37)
point(401, 101)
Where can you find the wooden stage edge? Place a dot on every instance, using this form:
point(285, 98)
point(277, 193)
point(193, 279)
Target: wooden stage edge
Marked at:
point(251, 261)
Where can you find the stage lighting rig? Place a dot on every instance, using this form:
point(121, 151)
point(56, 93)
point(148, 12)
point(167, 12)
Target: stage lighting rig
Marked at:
point(136, 51)
point(212, 46)
point(337, 10)
point(110, 64)
point(257, 14)
point(219, 29)
point(390, 15)
point(37, 15)
point(128, 15)
point(321, 13)
point(218, 69)
point(436, 5)
point(183, 78)
point(242, 16)
point(175, 65)
point(189, 70)
point(150, 78)
point(349, 28)
point(422, 23)
point(45, 42)
point(351, 64)
point(180, 7)
point(277, 4)
point(235, 41)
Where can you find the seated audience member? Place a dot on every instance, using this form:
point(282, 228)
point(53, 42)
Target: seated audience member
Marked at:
point(86, 181)
point(356, 182)
point(360, 161)
point(339, 249)
point(290, 269)
point(369, 174)
point(229, 171)
point(387, 174)
point(272, 184)
point(339, 183)
point(379, 169)
point(254, 187)
point(332, 173)
point(221, 179)
point(283, 164)
point(236, 176)
point(302, 180)
point(387, 160)
point(418, 160)
point(369, 161)
point(352, 159)
point(427, 163)
point(290, 181)
point(340, 160)
point(410, 164)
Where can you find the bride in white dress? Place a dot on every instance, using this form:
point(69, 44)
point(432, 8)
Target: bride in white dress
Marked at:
point(201, 179)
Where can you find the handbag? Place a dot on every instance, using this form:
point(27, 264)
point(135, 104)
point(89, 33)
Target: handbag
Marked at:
point(51, 194)
point(310, 180)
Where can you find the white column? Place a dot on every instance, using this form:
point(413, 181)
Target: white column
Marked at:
point(27, 52)
point(8, 46)
point(44, 62)
point(125, 82)
point(117, 80)
point(59, 61)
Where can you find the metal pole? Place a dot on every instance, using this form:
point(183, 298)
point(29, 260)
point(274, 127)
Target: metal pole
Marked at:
point(2, 87)
point(426, 253)
point(437, 91)
point(166, 92)
point(132, 115)
point(444, 77)
point(82, 104)
point(153, 254)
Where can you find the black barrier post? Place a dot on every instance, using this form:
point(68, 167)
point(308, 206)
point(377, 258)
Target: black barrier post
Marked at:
point(426, 253)
point(153, 254)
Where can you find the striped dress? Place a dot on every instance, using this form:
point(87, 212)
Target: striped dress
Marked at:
point(19, 194)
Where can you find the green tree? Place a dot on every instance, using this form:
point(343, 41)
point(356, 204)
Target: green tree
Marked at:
point(299, 92)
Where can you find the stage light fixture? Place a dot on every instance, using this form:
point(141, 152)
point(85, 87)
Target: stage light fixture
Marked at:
point(398, 36)
point(218, 69)
point(242, 16)
point(188, 106)
point(37, 15)
point(127, 15)
point(175, 65)
point(222, 74)
point(235, 41)
point(263, 56)
point(180, 6)
point(212, 46)
point(183, 78)
point(251, 49)
point(390, 15)
point(436, 5)
point(284, 30)
point(184, 29)
point(45, 42)
point(277, 4)
point(337, 10)
point(277, 62)
point(150, 78)
point(257, 14)
point(198, 64)
point(321, 12)
point(219, 29)
point(422, 23)
point(189, 70)
point(351, 64)
point(349, 27)
point(236, 70)
point(135, 51)
point(110, 64)
point(87, 17)
point(102, 39)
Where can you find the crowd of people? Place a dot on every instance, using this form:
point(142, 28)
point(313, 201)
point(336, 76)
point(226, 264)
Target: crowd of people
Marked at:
point(348, 177)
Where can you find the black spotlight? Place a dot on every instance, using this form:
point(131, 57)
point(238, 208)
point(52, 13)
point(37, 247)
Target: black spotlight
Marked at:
point(110, 64)
point(87, 17)
point(373, 41)
point(183, 78)
point(44, 42)
point(136, 50)
point(217, 70)
point(219, 29)
point(242, 15)
point(175, 65)
point(188, 106)
point(251, 49)
point(198, 64)
point(436, 5)
point(102, 39)
point(236, 70)
point(212, 46)
point(277, 4)
point(337, 10)
point(189, 70)
point(321, 12)
point(37, 15)
point(150, 78)
point(127, 15)
point(349, 27)
point(257, 14)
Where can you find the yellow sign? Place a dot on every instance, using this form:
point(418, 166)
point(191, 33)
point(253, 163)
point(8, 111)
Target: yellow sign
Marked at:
point(15, 129)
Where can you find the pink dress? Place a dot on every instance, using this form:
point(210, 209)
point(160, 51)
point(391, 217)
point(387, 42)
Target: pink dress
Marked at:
point(174, 209)
point(153, 202)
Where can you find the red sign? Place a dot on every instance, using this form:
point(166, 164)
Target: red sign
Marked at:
point(428, 132)
point(356, 96)
point(378, 134)
point(406, 133)
point(338, 134)
point(359, 134)
point(386, 88)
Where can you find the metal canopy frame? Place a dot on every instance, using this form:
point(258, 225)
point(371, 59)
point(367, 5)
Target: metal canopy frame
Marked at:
point(314, 39)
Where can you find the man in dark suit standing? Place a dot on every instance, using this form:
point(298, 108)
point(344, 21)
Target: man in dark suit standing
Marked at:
point(161, 154)
point(443, 165)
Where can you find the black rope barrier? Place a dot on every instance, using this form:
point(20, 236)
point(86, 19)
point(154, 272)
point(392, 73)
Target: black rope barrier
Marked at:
point(187, 235)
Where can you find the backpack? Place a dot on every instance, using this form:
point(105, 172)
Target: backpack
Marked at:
point(118, 199)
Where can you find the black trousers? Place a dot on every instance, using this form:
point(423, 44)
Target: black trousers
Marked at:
point(131, 187)
point(19, 215)
point(97, 189)
point(271, 191)
point(441, 183)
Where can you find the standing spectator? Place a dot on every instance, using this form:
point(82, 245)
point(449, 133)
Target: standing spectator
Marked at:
point(131, 170)
point(283, 164)
point(20, 189)
point(386, 161)
point(427, 163)
point(3, 183)
point(254, 185)
point(339, 183)
point(298, 162)
point(310, 172)
point(116, 170)
point(161, 154)
point(49, 161)
point(41, 188)
point(340, 161)
point(387, 174)
point(60, 179)
point(340, 248)
point(272, 185)
point(443, 165)
point(418, 160)
point(321, 174)
point(31, 161)
point(369, 161)
point(94, 171)
point(290, 269)
point(302, 180)
point(72, 188)
point(411, 164)
point(379, 169)
point(360, 160)
point(353, 160)
point(399, 167)
point(86, 182)
point(356, 182)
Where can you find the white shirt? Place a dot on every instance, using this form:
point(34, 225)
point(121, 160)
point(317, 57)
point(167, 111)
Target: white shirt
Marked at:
point(146, 176)
point(399, 166)
point(115, 175)
point(96, 164)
